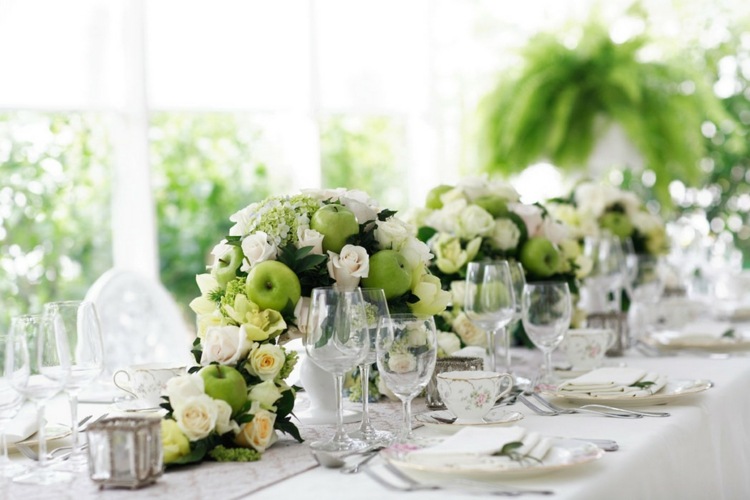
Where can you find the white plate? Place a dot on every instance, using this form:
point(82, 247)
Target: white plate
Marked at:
point(564, 453)
point(673, 390)
point(672, 340)
point(496, 417)
point(51, 432)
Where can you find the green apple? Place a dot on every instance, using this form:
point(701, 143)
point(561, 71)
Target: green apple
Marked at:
point(617, 223)
point(390, 271)
point(495, 205)
point(336, 223)
point(273, 285)
point(540, 257)
point(225, 268)
point(433, 201)
point(225, 383)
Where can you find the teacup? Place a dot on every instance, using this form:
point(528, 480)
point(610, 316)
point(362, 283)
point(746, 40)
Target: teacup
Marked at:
point(470, 395)
point(584, 348)
point(147, 381)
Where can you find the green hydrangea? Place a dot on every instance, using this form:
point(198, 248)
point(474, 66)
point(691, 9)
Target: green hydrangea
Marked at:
point(280, 216)
point(286, 370)
point(234, 288)
point(224, 454)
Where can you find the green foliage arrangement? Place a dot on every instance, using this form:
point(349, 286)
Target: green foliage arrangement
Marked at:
point(561, 99)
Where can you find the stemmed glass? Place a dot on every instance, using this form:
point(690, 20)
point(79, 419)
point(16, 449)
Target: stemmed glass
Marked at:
point(518, 280)
point(37, 364)
point(605, 281)
point(406, 354)
point(10, 402)
point(489, 301)
point(78, 322)
point(376, 306)
point(337, 340)
point(645, 286)
point(546, 311)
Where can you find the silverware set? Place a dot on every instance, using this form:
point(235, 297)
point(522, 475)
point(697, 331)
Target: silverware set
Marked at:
point(542, 406)
point(61, 453)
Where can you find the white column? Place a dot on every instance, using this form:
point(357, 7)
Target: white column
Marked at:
point(133, 212)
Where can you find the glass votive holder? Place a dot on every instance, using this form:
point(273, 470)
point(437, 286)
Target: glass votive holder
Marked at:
point(125, 452)
point(449, 364)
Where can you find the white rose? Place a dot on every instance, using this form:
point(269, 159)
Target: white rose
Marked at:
point(179, 389)
point(220, 251)
point(257, 248)
point(531, 216)
point(448, 342)
point(553, 230)
point(445, 220)
point(362, 211)
point(392, 233)
point(266, 361)
point(473, 187)
point(349, 266)
point(503, 189)
point(417, 334)
point(224, 422)
point(197, 416)
point(402, 362)
point(505, 234)
point(301, 311)
point(225, 345)
point(243, 220)
point(458, 293)
point(266, 394)
point(469, 332)
point(474, 221)
point(416, 252)
point(307, 237)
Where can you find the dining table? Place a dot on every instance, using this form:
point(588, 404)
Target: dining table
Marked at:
point(700, 451)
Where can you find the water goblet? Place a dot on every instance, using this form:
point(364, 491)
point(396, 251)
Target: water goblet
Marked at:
point(489, 301)
point(37, 364)
point(605, 281)
point(518, 280)
point(10, 402)
point(545, 312)
point(337, 340)
point(78, 322)
point(376, 306)
point(406, 353)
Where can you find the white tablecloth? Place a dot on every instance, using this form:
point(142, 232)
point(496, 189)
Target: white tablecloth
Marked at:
point(701, 451)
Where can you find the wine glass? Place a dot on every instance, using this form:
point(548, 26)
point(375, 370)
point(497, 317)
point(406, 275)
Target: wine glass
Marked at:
point(546, 311)
point(489, 301)
point(37, 364)
point(376, 306)
point(406, 354)
point(10, 402)
point(78, 322)
point(645, 287)
point(337, 340)
point(605, 281)
point(518, 281)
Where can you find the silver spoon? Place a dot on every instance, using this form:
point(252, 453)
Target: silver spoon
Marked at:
point(334, 461)
point(354, 468)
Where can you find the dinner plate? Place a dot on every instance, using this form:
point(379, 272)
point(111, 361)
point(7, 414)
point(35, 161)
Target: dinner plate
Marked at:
point(563, 454)
point(668, 339)
point(51, 432)
point(673, 390)
point(496, 417)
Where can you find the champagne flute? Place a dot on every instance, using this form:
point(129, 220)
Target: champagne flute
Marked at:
point(38, 365)
point(78, 322)
point(376, 306)
point(337, 340)
point(10, 402)
point(406, 355)
point(489, 300)
point(546, 311)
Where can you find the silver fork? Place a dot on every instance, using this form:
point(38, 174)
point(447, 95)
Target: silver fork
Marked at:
point(466, 486)
point(611, 412)
point(596, 406)
point(58, 453)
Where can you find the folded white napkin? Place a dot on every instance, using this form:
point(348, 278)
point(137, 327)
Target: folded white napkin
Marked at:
point(614, 381)
point(705, 329)
point(483, 441)
point(23, 425)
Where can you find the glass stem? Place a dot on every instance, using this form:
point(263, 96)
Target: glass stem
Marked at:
point(41, 435)
point(4, 444)
point(364, 373)
point(406, 403)
point(505, 333)
point(339, 383)
point(73, 399)
point(491, 360)
point(548, 365)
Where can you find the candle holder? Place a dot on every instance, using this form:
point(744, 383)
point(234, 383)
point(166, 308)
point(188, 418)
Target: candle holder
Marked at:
point(618, 323)
point(449, 364)
point(125, 452)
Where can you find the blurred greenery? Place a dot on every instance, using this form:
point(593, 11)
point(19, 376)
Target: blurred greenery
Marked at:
point(55, 235)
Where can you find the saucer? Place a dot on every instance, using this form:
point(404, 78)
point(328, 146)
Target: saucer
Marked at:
point(441, 418)
point(135, 405)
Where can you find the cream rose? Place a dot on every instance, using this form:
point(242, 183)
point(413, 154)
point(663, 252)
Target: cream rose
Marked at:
point(179, 389)
point(469, 332)
point(257, 248)
point(475, 221)
point(225, 345)
point(505, 234)
point(349, 266)
point(259, 433)
point(402, 362)
point(197, 416)
point(432, 298)
point(448, 343)
point(307, 237)
point(266, 361)
point(301, 310)
point(224, 422)
point(266, 394)
point(175, 444)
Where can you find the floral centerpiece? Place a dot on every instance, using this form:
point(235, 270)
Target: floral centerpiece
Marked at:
point(256, 293)
point(484, 219)
point(595, 207)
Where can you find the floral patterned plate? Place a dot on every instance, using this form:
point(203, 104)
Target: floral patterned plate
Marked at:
point(443, 419)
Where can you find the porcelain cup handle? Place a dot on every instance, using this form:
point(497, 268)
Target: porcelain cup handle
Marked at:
point(123, 386)
point(503, 393)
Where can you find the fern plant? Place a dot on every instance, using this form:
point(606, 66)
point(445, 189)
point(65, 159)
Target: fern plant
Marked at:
point(562, 99)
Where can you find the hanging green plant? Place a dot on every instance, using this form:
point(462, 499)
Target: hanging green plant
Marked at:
point(562, 99)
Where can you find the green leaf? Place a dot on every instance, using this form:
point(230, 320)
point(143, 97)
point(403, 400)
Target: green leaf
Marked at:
point(286, 426)
point(729, 334)
point(643, 385)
